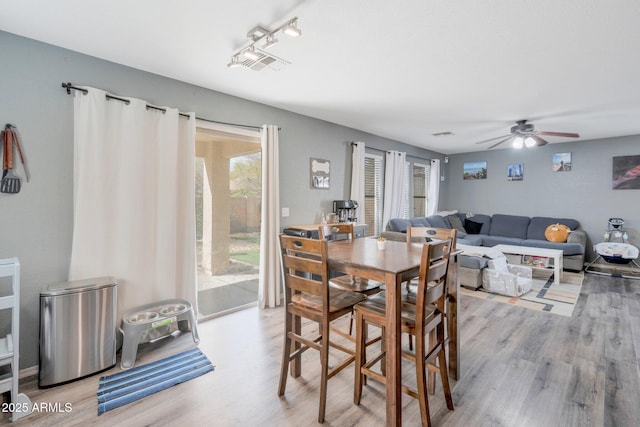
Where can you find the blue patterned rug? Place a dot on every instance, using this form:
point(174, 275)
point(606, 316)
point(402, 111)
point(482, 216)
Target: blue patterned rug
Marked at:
point(128, 386)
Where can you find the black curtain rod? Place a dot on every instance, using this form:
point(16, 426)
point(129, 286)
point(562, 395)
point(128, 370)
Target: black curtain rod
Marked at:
point(69, 86)
point(387, 151)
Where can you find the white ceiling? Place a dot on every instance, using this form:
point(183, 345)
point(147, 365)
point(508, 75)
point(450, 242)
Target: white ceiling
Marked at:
point(403, 70)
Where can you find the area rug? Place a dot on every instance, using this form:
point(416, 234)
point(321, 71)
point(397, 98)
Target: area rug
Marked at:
point(128, 386)
point(543, 296)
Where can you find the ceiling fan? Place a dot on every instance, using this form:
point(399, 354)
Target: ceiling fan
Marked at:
point(523, 134)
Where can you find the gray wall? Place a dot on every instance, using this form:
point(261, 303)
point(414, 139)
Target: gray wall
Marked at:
point(36, 224)
point(584, 193)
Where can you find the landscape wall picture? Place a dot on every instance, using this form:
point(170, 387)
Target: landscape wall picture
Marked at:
point(475, 170)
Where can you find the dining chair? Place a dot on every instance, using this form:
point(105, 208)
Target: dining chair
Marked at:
point(432, 233)
point(424, 320)
point(429, 233)
point(347, 282)
point(308, 296)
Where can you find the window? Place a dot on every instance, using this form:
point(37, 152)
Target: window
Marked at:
point(415, 190)
point(420, 184)
point(373, 194)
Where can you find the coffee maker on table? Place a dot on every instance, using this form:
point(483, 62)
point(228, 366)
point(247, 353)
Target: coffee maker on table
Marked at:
point(345, 210)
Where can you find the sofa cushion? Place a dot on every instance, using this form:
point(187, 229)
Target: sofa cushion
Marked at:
point(567, 248)
point(475, 262)
point(469, 239)
point(419, 222)
point(472, 227)
point(485, 220)
point(399, 224)
point(438, 221)
point(509, 226)
point(500, 240)
point(539, 224)
point(455, 222)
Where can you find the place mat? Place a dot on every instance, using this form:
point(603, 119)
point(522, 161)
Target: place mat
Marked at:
point(543, 296)
point(134, 384)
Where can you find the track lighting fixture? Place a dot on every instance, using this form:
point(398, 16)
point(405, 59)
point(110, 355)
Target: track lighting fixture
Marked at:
point(251, 55)
point(235, 62)
point(291, 29)
point(271, 40)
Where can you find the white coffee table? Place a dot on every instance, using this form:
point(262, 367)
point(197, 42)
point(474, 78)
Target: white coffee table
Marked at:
point(555, 254)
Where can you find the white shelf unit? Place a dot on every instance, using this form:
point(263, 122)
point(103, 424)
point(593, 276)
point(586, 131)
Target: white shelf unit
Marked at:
point(9, 345)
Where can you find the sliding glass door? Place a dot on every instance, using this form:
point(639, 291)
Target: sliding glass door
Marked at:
point(228, 198)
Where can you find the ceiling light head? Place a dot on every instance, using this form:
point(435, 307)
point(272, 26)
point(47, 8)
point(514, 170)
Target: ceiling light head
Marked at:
point(529, 142)
point(271, 40)
point(291, 29)
point(250, 53)
point(518, 142)
point(235, 62)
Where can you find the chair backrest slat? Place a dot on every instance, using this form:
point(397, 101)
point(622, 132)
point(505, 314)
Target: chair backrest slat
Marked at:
point(432, 233)
point(432, 278)
point(336, 230)
point(304, 263)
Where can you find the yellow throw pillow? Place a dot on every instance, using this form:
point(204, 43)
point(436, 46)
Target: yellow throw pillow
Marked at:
point(557, 233)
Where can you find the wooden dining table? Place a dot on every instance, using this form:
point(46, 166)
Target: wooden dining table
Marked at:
point(394, 265)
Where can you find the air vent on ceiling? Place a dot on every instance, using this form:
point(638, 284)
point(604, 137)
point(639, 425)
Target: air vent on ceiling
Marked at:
point(265, 60)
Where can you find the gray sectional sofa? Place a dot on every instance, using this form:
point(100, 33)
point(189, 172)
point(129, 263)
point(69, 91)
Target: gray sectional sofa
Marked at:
point(485, 230)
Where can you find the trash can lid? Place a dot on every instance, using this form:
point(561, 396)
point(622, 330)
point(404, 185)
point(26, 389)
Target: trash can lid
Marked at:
point(76, 286)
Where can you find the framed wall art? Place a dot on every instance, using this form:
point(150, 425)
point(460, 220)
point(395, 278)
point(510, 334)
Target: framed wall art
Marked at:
point(515, 172)
point(561, 162)
point(320, 173)
point(475, 170)
point(626, 173)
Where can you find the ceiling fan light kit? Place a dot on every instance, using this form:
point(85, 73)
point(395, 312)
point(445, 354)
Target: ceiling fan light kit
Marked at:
point(251, 56)
point(523, 134)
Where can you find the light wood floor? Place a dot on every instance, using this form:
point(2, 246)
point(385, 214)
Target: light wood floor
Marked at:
point(519, 368)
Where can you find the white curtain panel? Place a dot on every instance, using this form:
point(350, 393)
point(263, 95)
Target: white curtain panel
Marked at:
point(357, 177)
point(433, 193)
point(134, 199)
point(270, 282)
point(394, 176)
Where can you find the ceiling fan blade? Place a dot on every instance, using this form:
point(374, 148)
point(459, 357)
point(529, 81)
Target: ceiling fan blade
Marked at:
point(492, 139)
point(539, 141)
point(564, 134)
point(496, 144)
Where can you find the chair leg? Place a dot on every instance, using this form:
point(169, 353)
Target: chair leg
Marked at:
point(286, 352)
point(431, 383)
point(421, 381)
point(444, 375)
point(361, 356)
point(324, 377)
point(351, 323)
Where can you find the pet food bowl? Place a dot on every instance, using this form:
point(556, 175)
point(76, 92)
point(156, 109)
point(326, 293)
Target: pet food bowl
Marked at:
point(142, 317)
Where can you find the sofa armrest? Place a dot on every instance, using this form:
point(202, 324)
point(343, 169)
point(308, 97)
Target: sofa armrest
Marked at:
point(497, 280)
point(578, 236)
point(520, 270)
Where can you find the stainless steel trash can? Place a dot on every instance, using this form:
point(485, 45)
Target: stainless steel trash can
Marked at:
point(77, 330)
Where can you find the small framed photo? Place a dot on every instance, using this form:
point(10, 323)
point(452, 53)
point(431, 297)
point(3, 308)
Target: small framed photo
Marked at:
point(561, 162)
point(475, 170)
point(515, 172)
point(320, 173)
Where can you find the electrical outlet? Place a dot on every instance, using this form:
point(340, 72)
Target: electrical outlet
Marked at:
point(285, 212)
